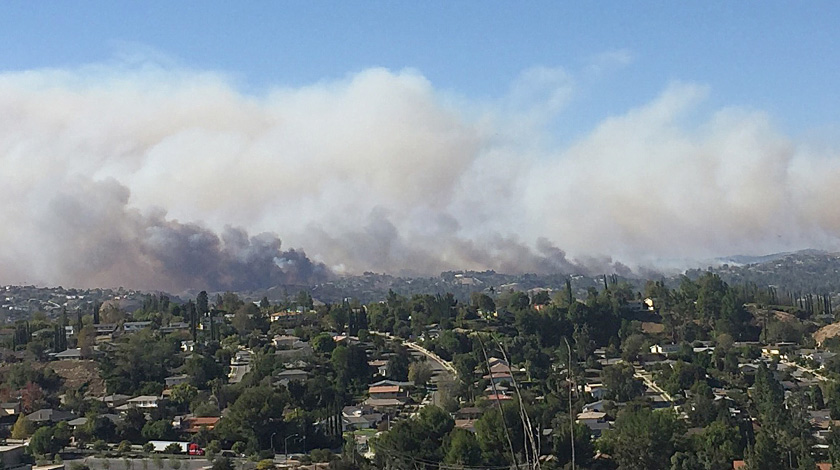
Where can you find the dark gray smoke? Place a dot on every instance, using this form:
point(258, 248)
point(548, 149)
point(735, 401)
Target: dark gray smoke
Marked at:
point(94, 238)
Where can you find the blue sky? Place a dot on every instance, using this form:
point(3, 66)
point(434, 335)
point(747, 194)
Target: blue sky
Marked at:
point(780, 57)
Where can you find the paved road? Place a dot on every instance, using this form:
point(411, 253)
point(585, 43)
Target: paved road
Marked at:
point(811, 371)
point(164, 463)
point(237, 373)
point(640, 373)
point(412, 345)
point(440, 367)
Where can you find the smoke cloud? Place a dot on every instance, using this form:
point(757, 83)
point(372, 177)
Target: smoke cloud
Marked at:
point(153, 177)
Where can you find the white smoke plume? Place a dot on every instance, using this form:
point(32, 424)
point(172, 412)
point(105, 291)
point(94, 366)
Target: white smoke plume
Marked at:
point(152, 177)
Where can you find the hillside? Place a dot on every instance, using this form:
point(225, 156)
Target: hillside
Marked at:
point(808, 271)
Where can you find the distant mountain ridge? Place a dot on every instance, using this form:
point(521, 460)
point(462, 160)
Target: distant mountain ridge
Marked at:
point(812, 271)
point(742, 260)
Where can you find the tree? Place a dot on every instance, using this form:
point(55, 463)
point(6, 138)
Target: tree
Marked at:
point(496, 432)
point(173, 448)
point(86, 340)
point(124, 447)
point(397, 366)
point(265, 464)
point(23, 428)
point(202, 370)
point(41, 442)
point(202, 304)
point(621, 383)
point(62, 435)
point(631, 347)
point(765, 454)
point(323, 343)
point(420, 438)
point(584, 447)
point(351, 365)
point(253, 416)
point(148, 448)
point(720, 444)
point(183, 394)
point(222, 463)
point(463, 449)
point(243, 319)
point(643, 439)
point(419, 372)
point(158, 430)
point(213, 447)
point(483, 302)
point(131, 427)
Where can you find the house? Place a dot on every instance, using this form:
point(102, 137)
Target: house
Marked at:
point(466, 417)
point(498, 378)
point(492, 361)
point(386, 391)
point(597, 390)
point(173, 327)
point(176, 380)
point(598, 406)
point(285, 341)
point(467, 424)
point(820, 358)
point(498, 397)
point(194, 424)
point(188, 346)
point(385, 405)
point(105, 329)
point(115, 400)
point(74, 423)
point(360, 417)
point(11, 457)
point(286, 315)
point(500, 368)
point(665, 348)
point(391, 382)
point(9, 408)
point(493, 389)
point(241, 357)
point(381, 366)
point(344, 339)
point(596, 421)
point(292, 375)
point(777, 349)
point(143, 401)
point(135, 326)
point(637, 306)
point(204, 323)
point(72, 353)
point(298, 350)
point(821, 419)
point(469, 412)
point(49, 416)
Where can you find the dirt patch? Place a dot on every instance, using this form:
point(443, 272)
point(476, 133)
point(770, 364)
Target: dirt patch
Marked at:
point(828, 331)
point(77, 373)
point(653, 328)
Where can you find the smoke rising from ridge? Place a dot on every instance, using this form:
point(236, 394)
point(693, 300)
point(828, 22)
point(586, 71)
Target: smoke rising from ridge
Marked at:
point(135, 176)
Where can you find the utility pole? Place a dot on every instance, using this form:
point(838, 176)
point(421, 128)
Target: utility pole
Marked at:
point(571, 417)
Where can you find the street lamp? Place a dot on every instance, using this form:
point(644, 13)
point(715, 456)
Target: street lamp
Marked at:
point(272, 441)
point(286, 445)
